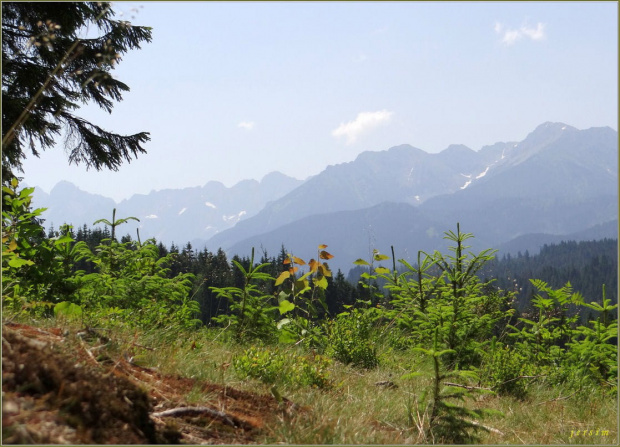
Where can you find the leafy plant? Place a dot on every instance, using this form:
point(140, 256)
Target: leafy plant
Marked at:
point(592, 350)
point(272, 366)
point(350, 339)
point(301, 297)
point(37, 271)
point(252, 315)
point(260, 363)
point(506, 370)
point(115, 222)
point(543, 336)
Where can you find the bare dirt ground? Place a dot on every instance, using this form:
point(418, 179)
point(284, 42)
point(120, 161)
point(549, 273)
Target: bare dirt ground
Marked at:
point(58, 389)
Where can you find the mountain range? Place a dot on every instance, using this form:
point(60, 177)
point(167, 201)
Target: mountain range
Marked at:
point(170, 215)
point(559, 182)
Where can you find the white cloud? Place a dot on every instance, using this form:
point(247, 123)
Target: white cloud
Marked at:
point(364, 122)
point(534, 34)
point(247, 125)
point(510, 36)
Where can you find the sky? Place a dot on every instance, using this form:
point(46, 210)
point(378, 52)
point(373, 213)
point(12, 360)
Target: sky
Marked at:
point(236, 90)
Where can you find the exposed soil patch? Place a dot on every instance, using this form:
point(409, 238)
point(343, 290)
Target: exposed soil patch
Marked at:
point(58, 390)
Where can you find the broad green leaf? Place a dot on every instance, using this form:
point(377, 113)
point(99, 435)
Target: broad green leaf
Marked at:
point(18, 262)
point(382, 270)
point(64, 240)
point(322, 283)
point(285, 306)
point(360, 261)
point(283, 276)
point(380, 257)
point(287, 337)
point(26, 192)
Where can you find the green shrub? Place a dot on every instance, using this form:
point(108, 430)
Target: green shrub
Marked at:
point(271, 366)
point(503, 368)
point(350, 339)
point(311, 372)
point(260, 363)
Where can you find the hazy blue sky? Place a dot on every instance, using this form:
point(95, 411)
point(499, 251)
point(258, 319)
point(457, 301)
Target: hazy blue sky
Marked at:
point(231, 91)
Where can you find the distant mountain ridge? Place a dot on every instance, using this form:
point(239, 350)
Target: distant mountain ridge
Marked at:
point(169, 215)
point(558, 182)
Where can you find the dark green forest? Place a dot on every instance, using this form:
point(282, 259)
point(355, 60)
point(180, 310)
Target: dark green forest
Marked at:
point(586, 265)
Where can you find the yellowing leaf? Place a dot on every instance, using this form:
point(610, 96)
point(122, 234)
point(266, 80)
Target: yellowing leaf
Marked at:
point(292, 270)
point(282, 277)
point(382, 270)
point(313, 265)
point(360, 261)
point(286, 261)
point(322, 247)
point(325, 255)
point(324, 270)
point(380, 257)
point(13, 245)
point(298, 261)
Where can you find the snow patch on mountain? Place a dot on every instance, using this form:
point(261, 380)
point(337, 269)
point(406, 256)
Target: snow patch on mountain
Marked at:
point(482, 174)
point(234, 216)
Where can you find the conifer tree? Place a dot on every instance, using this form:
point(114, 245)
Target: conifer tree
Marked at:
point(51, 65)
